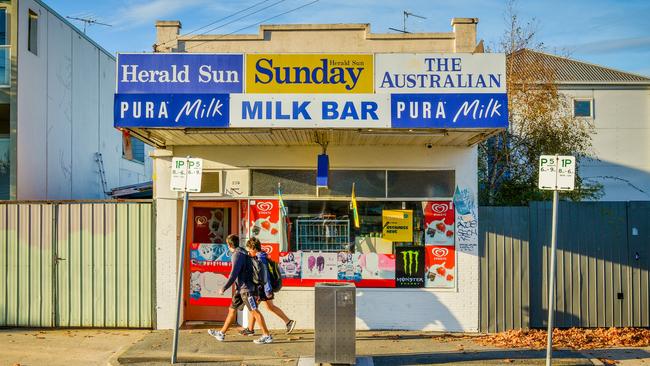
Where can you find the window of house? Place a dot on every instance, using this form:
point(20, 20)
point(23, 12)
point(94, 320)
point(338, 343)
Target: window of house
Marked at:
point(582, 108)
point(137, 150)
point(137, 147)
point(32, 33)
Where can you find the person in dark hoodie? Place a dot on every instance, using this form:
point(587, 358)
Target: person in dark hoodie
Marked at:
point(254, 248)
point(241, 275)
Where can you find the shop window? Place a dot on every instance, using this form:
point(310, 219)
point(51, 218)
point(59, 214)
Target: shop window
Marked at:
point(420, 184)
point(582, 108)
point(327, 225)
point(32, 32)
point(367, 183)
point(264, 182)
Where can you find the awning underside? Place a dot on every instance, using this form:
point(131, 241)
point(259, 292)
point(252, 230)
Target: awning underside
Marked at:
point(306, 137)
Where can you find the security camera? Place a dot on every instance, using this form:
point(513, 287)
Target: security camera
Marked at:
point(429, 146)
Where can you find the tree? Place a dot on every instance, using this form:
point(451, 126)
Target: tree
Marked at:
point(540, 122)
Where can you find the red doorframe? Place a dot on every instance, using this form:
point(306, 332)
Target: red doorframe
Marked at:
point(200, 312)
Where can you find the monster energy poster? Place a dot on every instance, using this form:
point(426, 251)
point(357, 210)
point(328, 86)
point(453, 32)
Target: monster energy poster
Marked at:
point(409, 267)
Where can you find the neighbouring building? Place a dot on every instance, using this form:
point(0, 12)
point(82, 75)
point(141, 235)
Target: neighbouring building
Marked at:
point(618, 105)
point(351, 155)
point(57, 139)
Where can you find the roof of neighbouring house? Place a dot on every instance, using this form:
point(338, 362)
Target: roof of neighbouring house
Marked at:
point(568, 71)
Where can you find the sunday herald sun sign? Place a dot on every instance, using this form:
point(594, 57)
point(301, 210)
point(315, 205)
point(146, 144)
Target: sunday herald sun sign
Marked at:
point(168, 90)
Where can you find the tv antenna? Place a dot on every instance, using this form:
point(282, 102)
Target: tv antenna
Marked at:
point(406, 15)
point(88, 22)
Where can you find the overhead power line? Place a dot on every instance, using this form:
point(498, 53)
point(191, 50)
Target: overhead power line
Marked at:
point(258, 23)
point(235, 20)
point(218, 20)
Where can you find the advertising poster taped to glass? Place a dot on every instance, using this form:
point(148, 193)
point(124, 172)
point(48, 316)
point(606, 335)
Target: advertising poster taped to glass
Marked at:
point(210, 265)
point(264, 221)
point(439, 218)
point(440, 266)
point(409, 266)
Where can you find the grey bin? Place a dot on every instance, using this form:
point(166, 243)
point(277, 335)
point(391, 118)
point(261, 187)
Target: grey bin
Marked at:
point(335, 316)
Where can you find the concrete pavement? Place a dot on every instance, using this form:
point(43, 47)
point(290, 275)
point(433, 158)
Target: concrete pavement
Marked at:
point(144, 347)
point(69, 347)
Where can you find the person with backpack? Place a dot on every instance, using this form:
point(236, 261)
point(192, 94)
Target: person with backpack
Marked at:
point(245, 294)
point(269, 281)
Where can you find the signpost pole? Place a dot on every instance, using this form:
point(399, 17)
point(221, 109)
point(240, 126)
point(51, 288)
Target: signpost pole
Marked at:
point(181, 264)
point(551, 280)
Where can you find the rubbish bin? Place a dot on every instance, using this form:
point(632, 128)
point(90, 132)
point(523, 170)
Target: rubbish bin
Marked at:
point(335, 314)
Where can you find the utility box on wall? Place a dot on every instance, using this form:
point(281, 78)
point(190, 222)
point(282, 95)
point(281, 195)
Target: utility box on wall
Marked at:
point(335, 317)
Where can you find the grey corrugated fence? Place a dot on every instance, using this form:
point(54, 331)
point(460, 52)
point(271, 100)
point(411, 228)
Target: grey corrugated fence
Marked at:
point(603, 262)
point(84, 264)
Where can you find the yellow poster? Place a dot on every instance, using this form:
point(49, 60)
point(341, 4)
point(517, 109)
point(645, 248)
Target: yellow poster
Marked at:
point(312, 73)
point(398, 225)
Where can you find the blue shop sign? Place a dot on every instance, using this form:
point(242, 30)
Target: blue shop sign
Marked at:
point(180, 73)
point(172, 110)
point(471, 110)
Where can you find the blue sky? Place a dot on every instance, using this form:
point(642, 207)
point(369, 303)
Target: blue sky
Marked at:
point(612, 33)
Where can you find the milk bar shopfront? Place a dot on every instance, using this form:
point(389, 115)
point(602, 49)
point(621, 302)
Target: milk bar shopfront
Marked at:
point(351, 156)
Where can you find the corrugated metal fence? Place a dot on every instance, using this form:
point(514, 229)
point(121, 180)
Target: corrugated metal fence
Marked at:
point(603, 262)
point(84, 264)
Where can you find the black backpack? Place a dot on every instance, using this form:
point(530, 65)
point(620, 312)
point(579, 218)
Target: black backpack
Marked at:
point(274, 276)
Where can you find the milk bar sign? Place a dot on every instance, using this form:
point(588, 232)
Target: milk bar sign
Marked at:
point(557, 172)
point(186, 174)
point(311, 91)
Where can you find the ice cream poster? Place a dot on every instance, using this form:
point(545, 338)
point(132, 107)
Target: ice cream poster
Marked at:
point(319, 265)
point(376, 266)
point(264, 221)
point(210, 257)
point(439, 218)
point(272, 251)
point(348, 266)
point(210, 264)
point(204, 288)
point(290, 263)
point(440, 266)
point(210, 225)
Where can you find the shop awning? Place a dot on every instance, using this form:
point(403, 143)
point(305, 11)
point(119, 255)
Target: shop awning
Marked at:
point(306, 137)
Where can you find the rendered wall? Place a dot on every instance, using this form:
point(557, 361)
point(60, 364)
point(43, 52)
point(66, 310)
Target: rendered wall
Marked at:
point(417, 309)
point(621, 140)
point(65, 114)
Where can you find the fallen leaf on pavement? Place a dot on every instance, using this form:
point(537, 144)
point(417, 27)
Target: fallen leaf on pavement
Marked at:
point(574, 338)
point(607, 361)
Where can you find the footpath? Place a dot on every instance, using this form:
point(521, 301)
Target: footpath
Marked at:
point(70, 347)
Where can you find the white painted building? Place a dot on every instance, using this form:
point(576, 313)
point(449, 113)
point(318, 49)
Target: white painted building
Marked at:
point(618, 105)
point(56, 107)
point(394, 167)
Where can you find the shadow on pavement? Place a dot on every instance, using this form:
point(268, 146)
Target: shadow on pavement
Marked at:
point(495, 357)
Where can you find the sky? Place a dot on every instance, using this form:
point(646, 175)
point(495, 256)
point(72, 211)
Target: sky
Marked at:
point(611, 33)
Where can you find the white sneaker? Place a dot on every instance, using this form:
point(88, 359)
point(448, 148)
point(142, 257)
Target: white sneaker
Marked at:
point(217, 334)
point(264, 339)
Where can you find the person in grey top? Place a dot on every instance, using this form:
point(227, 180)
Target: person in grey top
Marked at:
point(245, 294)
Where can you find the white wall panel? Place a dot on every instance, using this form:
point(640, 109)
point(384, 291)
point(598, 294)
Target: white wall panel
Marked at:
point(85, 119)
point(59, 110)
point(32, 110)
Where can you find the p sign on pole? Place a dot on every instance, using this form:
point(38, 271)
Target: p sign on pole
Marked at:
point(186, 174)
point(186, 177)
point(556, 173)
